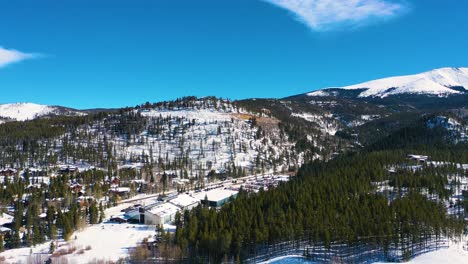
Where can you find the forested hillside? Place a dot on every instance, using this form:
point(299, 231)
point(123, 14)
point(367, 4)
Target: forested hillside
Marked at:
point(353, 184)
point(60, 173)
point(376, 196)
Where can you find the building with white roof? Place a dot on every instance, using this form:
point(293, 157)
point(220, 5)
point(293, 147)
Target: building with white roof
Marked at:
point(216, 197)
point(420, 158)
point(5, 219)
point(160, 214)
point(185, 201)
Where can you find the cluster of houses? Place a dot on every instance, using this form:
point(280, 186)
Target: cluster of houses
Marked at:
point(5, 224)
point(265, 183)
point(7, 172)
point(42, 172)
point(427, 160)
point(163, 210)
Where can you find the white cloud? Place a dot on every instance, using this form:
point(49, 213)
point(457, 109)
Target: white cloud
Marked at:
point(8, 56)
point(322, 15)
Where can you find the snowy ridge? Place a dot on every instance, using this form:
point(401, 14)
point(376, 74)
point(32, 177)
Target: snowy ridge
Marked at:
point(438, 82)
point(29, 111)
point(24, 111)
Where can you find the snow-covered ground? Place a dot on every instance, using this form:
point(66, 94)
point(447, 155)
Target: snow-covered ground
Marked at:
point(29, 111)
point(287, 259)
point(202, 115)
point(234, 142)
point(107, 241)
point(458, 131)
point(455, 254)
point(326, 127)
point(211, 139)
point(24, 111)
point(361, 120)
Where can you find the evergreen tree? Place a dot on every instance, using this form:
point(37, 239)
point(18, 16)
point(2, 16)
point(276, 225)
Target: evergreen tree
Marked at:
point(101, 213)
point(2, 243)
point(51, 247)
point(93, 213)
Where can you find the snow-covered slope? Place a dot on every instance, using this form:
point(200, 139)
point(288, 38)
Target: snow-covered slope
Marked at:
point(437, 82)
point(29, 111)
point(455, 253)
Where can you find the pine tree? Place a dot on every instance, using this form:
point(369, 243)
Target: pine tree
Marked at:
point(93, 213)
point(67, 226)
point(52, 247)
point(17, 220)
point(2, 246)
point(52, 231)
point(101, 213)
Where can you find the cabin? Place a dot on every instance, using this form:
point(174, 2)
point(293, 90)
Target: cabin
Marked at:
point(420, 158)
point(77, 188)
point(36, 172)
point(67, 169)
point(7, 172)
point(144, 110)
point(4, 231)
point(115, 181)
point(123, 192)
point(84, 200)
point(180, 183)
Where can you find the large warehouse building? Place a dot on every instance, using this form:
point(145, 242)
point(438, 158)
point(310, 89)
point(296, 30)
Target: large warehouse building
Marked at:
point(185, 201)
point(160, 214)
point(216, 197)
point(164, 212)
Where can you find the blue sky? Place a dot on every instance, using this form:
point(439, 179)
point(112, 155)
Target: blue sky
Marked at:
point(113, 53)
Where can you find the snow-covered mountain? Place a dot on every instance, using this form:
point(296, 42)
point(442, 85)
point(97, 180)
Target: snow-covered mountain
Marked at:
point(191, 137)
point(29, 111)
point(439, 82)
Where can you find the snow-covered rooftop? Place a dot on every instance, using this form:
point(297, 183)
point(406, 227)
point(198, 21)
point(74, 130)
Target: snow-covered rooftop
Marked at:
point(164, 209)
point(184, 200)
point(120, 189)
point(5, 219)
point(215, 194)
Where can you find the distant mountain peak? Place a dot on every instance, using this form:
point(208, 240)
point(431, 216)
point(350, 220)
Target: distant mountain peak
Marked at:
point(23, 111)
point(438, 82)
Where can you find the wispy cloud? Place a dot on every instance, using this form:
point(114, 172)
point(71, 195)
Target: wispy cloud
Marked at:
point(321, 15)
point(9, 56)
